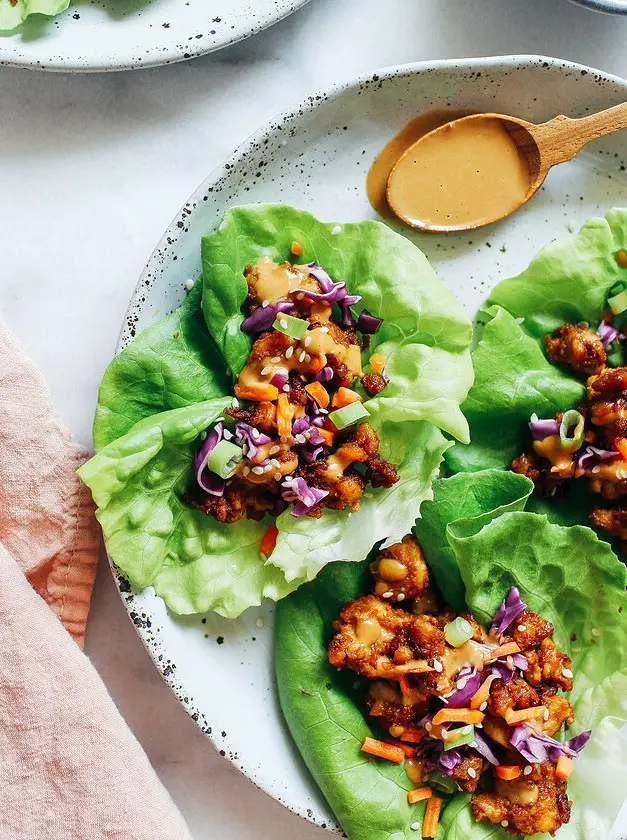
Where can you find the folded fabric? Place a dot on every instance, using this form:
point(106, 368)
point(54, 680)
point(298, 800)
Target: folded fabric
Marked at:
point(46, 519)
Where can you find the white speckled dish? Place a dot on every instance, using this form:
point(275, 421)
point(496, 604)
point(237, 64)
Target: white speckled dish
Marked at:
point(125, 34)
point(608, 7)
point(316, 157)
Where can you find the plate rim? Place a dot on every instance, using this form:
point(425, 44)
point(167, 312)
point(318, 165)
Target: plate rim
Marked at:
point(172, 234)
point(169, 55)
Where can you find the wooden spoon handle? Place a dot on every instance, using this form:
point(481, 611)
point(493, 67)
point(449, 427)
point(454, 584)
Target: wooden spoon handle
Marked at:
point(561, 138)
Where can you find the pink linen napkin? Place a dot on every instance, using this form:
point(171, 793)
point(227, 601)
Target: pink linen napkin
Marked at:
point(70, 769)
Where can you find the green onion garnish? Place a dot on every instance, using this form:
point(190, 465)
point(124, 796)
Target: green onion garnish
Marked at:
point(348, 415)
point(288, 324)
point(617, 288)
point(572, 420)
point(460, 736)
point(618, 303)
point(224, 458)
point(445, 783)
point(458, 632)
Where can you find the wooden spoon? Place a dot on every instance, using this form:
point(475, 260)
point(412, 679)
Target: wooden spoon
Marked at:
point(478, 169)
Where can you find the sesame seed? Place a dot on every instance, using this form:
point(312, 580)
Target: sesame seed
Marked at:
point(277, 476)
point(275, 360)
point(566, 672)
point(265, 371)
point(472, 772)
point(428, 727)
point(472, 744)
point(283, 323)
point(336, 229)
point(461, 684)
point(274, 450)
point(227, 435)
point(510, 663)
point(504, 823)
point(387, 594)
point(189, 284)
point(307, 340)
point(521, 628)
point(483, 706)
point(437, 664)
point(322, 411)
point(324, 329)
point(235, 401)
point(289, 352)
point(255, 434)
point(416, 826)
point(307, 358)
point(444, 735)
point(266, 302)
point(545, 714)
point(286, 388)
point(246, 470)
point(203, 435)
point(527, 770)
point(258, 470)
point(300, 438)
point(260, 622)
point(301, 356)
point(300, 296)
point(275, 463)
point(595, 632)
point(596, 469)
point(400, 596)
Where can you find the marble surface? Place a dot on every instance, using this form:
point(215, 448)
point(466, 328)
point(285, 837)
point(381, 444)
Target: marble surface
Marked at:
point(92, 169)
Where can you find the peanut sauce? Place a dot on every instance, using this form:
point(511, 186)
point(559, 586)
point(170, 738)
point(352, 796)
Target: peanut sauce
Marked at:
point(466, 174)
point(551, 448)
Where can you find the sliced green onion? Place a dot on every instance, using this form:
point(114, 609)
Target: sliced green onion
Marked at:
point(288, 324)
point(617, 288)
point(224, 458)
point(458, 632)
point(445, 783)
point(618, 303)
point(571, 420)
point(460, 736)
point(348, 415)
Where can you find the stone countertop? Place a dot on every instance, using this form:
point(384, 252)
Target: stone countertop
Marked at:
point(93, 168)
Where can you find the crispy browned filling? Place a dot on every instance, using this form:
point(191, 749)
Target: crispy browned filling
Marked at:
point(604, 409)
point(395, 639)
point(348, 460)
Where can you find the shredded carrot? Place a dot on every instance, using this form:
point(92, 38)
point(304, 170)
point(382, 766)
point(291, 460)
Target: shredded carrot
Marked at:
point(507, 772)
point(502, 650)
point(414, 736)
point(316, 364)
point(482, 694)
point(344, 396)
point(268, 541)
point(513, 718)
point(621, 445)
point(564, 767)
point(256, 392)
point(432, 817)
point(296, 249)
point(284, 415)
point(410, 752)
point(382, 750)
point(419, 794)
point(377, 362)
point(457, 716)
point(328, 436)
point(319, 393)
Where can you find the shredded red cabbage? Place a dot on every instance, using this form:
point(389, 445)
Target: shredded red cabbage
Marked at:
point(607, 333)
point(483, 747)
point(207, 480)
point(579, 741)
point(501, 667)
point(368, 324)
point(264, 316)
point(537, 746)
point(509, 608)
point(279, 380)
point(300, 425)
point(324, 375)
point(460, 697)
point(592, 454)
point(310, 455)
point(297, 490)
point(541, 429)
point(433, 756)
point(250, 439)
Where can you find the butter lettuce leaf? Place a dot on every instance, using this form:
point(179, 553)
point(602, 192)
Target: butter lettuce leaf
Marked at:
point(566, 574)
point(13, 14)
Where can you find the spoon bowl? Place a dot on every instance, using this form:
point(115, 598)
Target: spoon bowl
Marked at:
point(478, 169)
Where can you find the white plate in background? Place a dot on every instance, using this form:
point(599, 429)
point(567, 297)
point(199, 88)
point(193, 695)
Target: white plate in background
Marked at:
point(316, 157)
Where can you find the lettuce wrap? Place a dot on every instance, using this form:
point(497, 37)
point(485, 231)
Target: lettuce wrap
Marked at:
point(175, 379)
point(479, 541)
point(567, 282)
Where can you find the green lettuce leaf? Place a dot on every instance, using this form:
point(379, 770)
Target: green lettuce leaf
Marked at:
point(13, 15)
point(195, 564)
point(425, 333)
point(172, 363)
point(566, 574)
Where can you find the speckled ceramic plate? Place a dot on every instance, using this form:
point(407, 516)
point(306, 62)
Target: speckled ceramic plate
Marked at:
point(316, 157)
point(125, 34)
point(609, 7)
